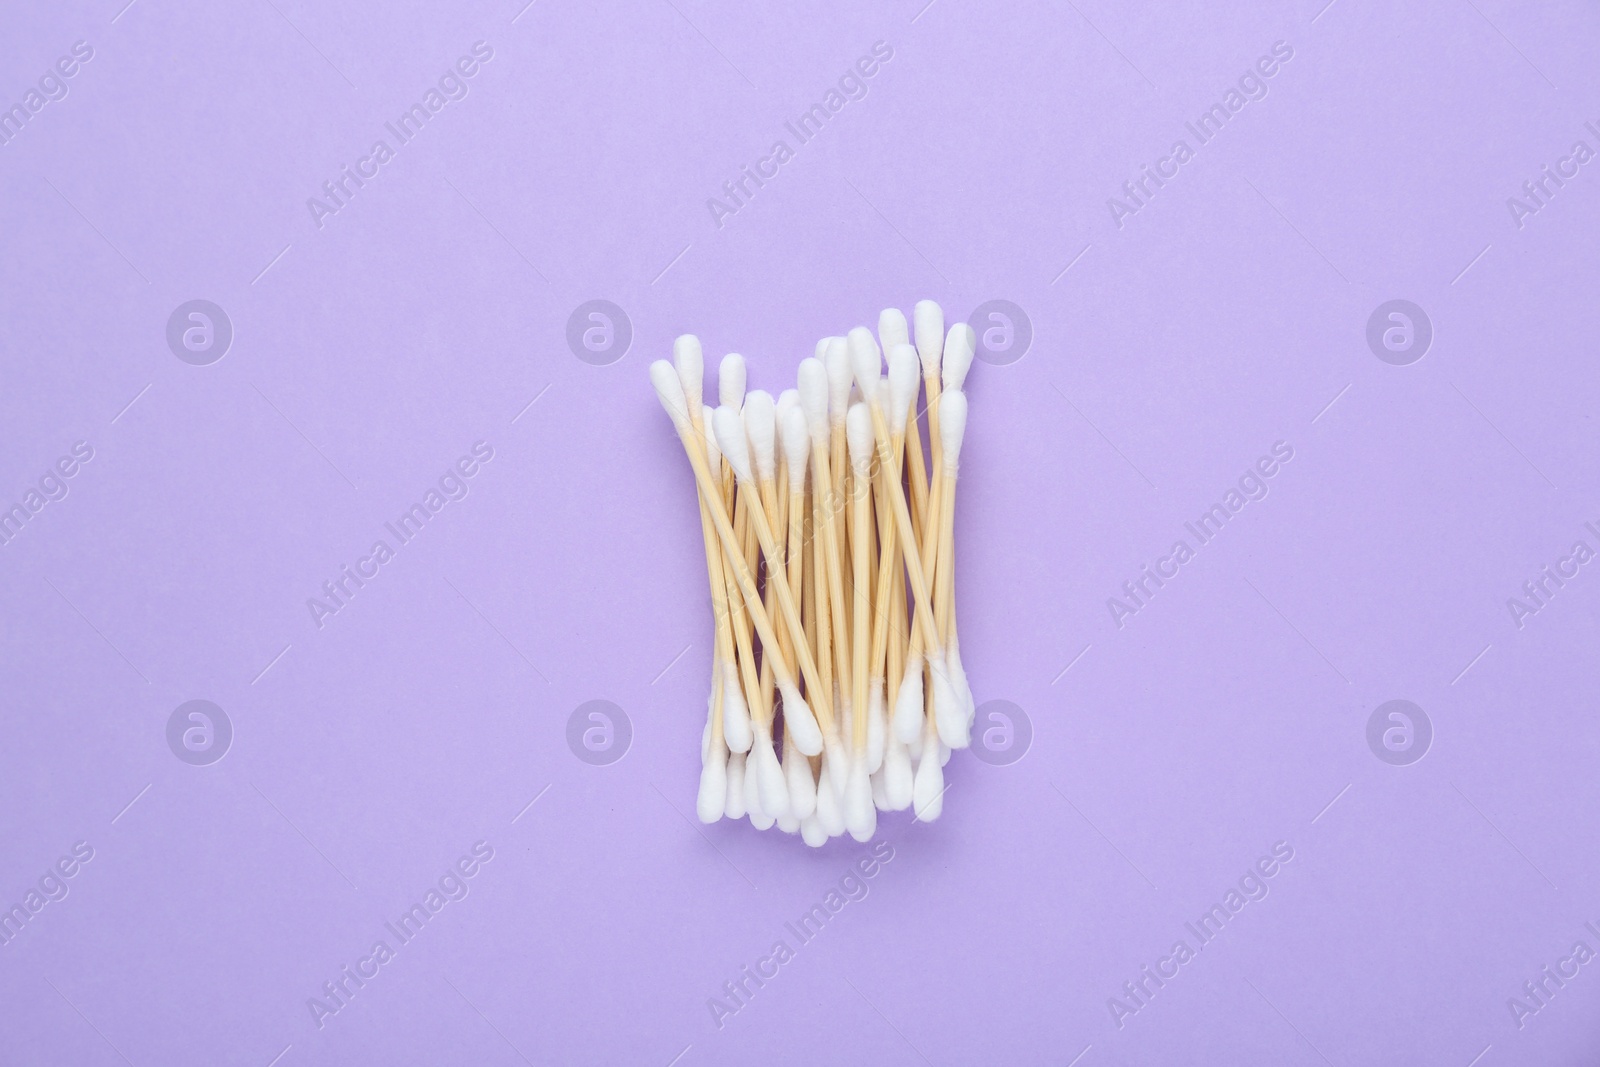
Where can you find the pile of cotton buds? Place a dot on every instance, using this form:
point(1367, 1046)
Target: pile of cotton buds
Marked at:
point(820, 511)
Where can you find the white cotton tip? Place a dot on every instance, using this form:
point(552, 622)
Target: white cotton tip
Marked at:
point(670, 392)
point(958, 679)
point(892, 329)
point(927, 787)
point(949, 710)
point(908, 703)
point(813, 382)
point(713, 796)
point(752, 791)
point(760, 820)
point(866, 362)
point(836, 760)
point(730, 381)
point(952, 426)
point(858, 428)
point(773, 788)
point(733, 442)
point(897, 775)
point(796, 438)
point(839, 376)
point(691, 366)
point(944, 754)
point(914, 746)
point(860, 814)
point(735, 712)
point(802, 787)
point(798, 721)
point(880, 791)
point(958, 351)
point(761, 427)
point(734, 807)
point(787, 400)
point(812, 832)
point(903, 384)
point(928, 320)
point(876, 727)
point(788, 822)
point(830, 809)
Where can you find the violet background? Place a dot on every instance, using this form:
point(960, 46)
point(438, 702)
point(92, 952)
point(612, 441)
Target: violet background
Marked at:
point(426, 315)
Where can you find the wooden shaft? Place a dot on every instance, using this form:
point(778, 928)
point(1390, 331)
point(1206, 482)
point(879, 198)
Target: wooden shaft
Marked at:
point(930, 538)
point(918, 478)
point(767, 656)
point(752, 552)
point(945, 611)
point(821, 702)
point(770, 505)
point(793, 512)
point(753, 692)
point(930, 383)
point(839, 463)
point(741, 523)
point(795, 519)
point(822, 615)
point(827, 504)
point(717, 740)
point(860, 538)
point(747, 661)
point(739, 619)
point(791, 617)
point(902, 517)
point(897, 630)
point(801, 520)
point(887, 558)
point(723, 630)
point(722, 646)
point(896, 667)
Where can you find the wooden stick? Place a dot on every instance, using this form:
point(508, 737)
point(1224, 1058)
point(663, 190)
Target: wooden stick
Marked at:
point(888, 556)
point(891, 592)
point(945, 610)
point(773, 501)
point(731, 630)
point(828, 509)
point(746, 660)
point(839, 462)
point(931, 383)
point(918, 477)
point(754, 694)
point(822, 618)
point(899, 636)
point(860, 545)
point(794, 512)
point(902, 517)
point(717, 740)
point(822, 703)
point(722, 624)
point(771, 645)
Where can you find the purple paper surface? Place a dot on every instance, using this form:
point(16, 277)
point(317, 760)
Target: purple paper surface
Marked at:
point(1340, 346)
